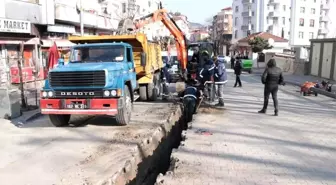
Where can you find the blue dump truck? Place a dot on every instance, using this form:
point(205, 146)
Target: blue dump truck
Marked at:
point(102, 77)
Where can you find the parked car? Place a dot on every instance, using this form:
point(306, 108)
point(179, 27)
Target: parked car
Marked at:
point(225, 59)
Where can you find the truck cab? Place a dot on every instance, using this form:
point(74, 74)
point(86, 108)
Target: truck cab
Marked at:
point(99, 79)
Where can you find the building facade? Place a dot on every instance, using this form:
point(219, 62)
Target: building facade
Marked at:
point(251, 16)
point(222, 30)
point(311, 20)
point(37, 24)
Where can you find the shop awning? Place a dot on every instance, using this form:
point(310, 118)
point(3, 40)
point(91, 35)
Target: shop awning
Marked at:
point(33, 41)
point(62, 43)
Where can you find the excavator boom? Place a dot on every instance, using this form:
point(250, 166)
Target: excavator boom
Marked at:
point(163, 16)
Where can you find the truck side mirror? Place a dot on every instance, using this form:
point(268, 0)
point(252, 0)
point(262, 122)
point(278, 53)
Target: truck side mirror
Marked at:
point(60, 61)
point(143, 59)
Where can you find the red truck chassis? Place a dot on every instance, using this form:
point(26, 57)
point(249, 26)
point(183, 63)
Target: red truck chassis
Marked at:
point(80, 106)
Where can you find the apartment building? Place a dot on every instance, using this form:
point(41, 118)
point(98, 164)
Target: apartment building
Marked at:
point(312, 19)
point(251, 16)
point(222, 30)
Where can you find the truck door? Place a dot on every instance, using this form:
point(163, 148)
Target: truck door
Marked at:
point(130, 64)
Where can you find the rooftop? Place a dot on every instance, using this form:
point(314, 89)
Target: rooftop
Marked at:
point(264, 35)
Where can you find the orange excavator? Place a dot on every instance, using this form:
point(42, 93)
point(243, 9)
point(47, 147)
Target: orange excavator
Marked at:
point(163, 16)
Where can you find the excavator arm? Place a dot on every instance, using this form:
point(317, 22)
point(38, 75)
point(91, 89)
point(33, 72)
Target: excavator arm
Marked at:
point(170, 24)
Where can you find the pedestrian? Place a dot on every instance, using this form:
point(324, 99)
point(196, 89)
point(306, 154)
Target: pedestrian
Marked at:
point(271, 78)
point(232, 62)
point(238, 70)
point(206, 74)
point(220, 80)
point(191, 97)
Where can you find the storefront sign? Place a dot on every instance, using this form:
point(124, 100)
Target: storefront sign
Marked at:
point(14, 26)
point(59, 28)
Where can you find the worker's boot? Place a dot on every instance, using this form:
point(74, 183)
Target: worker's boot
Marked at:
point(220, 103)
point(276, 113)
point(262, 111)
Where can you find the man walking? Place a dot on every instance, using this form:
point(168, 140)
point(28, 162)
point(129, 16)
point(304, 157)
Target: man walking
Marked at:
point(232, 62)
point(220, 79)
point(271, 78)
point(238, 70)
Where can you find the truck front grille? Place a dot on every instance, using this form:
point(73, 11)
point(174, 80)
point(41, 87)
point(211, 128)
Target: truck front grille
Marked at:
point(77, 79)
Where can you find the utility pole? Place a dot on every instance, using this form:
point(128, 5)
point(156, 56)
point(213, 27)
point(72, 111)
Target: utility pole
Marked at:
point(81, 18)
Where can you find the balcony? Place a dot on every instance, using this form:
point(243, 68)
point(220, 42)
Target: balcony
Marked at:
point(246, 27)
point(275, 14)
point(324, 18)
point(68, 13)
point(325, 6)
point(322, 31)
point(21, 10)
point(247, 2)
point(247, 13)
point(273, 2)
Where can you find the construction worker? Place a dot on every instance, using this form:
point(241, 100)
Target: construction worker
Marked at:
point(166, 79)
point(206, 74)
point(220, 79)
point(191, 96)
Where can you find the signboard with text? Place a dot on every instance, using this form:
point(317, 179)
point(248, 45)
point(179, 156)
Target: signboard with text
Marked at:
point(14, 26)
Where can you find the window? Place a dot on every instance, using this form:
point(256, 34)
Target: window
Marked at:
point(301, 22)
point(92, 54)
point(311, 22)
point(267, 20)
point(311, 35)
point(252, 27)
point(149, 4)
point(302, 10)
point(289, 20)
point(129, 54)
point(284, 7)
point(236, 20)
point(314, 1)
point(268, 7)
point(253, 13)
point(284, 20)
point(123, 8)
point(236, 34)
point(312, 11)
point(301, 35)
point(249, 20)
point(226, 16)
point(237, 8)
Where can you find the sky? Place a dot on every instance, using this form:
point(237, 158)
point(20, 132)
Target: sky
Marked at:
point(196, 10)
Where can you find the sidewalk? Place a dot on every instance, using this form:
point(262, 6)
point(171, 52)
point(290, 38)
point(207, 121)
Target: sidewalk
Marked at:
point(237, 146)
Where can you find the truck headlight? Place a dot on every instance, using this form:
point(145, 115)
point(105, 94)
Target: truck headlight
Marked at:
point(50, 94)
point(114, 93)
point(44, 94)
point(106, 93)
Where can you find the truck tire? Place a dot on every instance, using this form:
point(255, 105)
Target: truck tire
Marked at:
point(152, 92)
point(143, 93)
point(124, 114)
point(158, 84)
point(59, 120)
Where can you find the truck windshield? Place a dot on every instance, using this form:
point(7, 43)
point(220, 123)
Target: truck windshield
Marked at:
point(97, 54)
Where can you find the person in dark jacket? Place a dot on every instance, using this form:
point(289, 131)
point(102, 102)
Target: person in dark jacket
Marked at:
point(166, 79)
point(191, 96)
point(238, 70)
point(220, 79)
point(271, 78)
point(232, 62)
point(207, 73)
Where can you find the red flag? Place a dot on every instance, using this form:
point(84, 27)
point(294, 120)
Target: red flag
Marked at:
point(53, 57)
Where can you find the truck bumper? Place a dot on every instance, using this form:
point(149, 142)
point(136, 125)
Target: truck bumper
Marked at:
point(92, 106)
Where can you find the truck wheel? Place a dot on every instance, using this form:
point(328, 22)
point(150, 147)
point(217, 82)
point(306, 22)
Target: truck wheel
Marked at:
point(124, 114)
point(250, 71)
point(59, 120)
point(158, 84)
point(143, 93)
point(152, 92)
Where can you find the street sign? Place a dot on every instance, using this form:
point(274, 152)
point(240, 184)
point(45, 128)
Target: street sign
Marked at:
point(14, 26)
